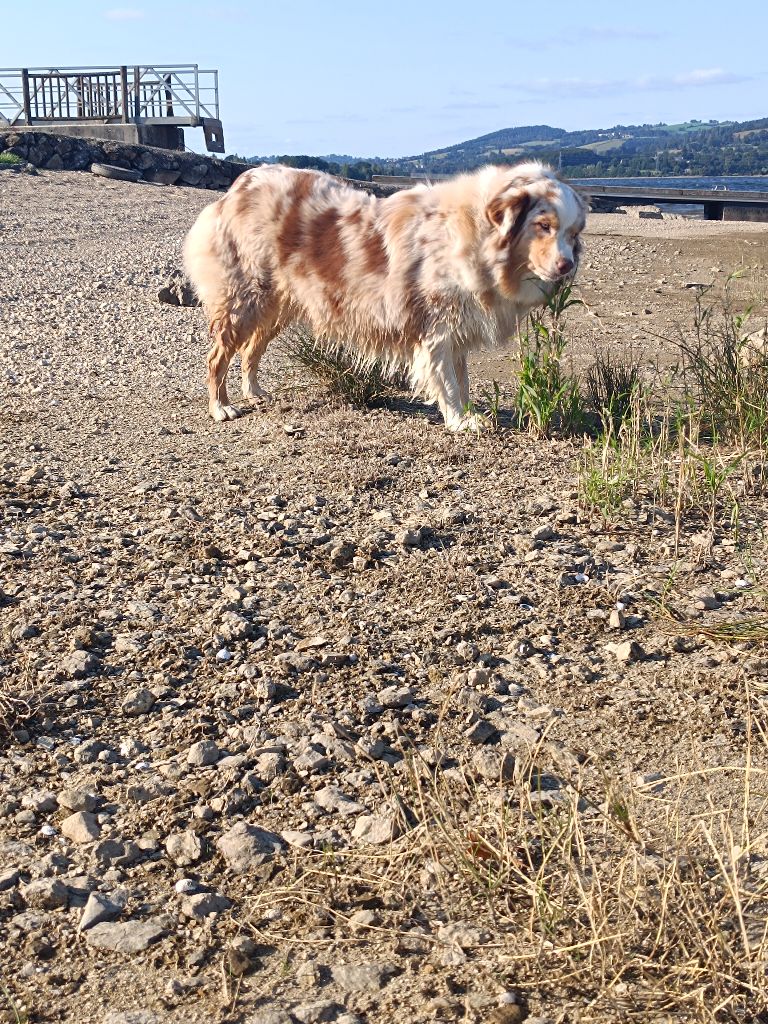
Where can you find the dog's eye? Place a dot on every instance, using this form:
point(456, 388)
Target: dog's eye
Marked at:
point(544, 226)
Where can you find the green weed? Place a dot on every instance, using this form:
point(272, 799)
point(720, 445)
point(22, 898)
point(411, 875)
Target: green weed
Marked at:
point(548, 396)
point(610, 386)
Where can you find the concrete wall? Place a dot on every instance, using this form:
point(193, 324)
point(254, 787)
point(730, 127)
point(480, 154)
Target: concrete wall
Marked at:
point(159, 135)
point(758, 213)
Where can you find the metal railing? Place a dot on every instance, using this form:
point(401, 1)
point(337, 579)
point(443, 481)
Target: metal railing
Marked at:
point(180, 94)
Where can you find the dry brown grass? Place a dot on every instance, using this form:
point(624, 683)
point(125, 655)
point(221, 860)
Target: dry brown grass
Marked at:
point(631, 902)
point(20, 699)
point(693, 438)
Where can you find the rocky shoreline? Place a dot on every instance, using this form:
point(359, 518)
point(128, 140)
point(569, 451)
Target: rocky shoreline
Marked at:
point(53, 152)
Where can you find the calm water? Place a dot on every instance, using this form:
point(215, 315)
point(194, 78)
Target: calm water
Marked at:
point(727, 182)
point(732, 182)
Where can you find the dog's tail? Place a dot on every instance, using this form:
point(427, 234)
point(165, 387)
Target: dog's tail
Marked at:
point(202, 257)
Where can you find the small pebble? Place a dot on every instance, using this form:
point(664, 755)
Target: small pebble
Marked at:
point(186, 886)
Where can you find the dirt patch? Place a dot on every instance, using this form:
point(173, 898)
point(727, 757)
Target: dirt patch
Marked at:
point(263, 679)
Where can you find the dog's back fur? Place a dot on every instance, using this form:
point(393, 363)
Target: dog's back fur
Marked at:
point(417, 279)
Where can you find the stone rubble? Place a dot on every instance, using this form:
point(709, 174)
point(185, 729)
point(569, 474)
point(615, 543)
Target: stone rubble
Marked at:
point(241, 645)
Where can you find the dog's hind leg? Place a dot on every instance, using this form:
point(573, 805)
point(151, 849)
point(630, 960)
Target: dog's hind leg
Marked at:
point(250, 357)
point(226, 335)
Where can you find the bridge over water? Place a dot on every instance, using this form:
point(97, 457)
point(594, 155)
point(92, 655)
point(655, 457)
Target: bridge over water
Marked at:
point(718, 204)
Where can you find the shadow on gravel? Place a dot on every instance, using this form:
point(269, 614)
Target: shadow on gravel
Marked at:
point(409, 407)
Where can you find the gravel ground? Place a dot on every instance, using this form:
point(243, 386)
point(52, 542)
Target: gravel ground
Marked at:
point(233, 633)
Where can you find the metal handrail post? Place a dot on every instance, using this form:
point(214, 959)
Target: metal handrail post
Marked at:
point(124, 92)
point(25, 94)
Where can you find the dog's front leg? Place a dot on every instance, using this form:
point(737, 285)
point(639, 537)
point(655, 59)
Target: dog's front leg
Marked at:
point(462, 376)
point(434, 374)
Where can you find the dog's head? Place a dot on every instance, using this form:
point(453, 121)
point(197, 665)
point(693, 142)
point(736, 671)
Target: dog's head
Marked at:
point(536, 222)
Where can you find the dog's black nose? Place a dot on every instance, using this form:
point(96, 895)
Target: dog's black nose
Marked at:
point(564, 266)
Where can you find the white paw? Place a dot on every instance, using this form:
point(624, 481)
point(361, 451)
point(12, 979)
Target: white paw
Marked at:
point(470, 423)
point(222, 413)
point(255, 392)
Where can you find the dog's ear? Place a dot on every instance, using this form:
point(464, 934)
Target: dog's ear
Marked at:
point(584, 198)
point(507, 212)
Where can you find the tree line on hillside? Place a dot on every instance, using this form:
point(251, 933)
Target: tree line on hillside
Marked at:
point(623, 151)
point(361, 170)
point(584, 163)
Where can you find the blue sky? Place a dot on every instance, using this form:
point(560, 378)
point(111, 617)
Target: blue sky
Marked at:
point(397, 78)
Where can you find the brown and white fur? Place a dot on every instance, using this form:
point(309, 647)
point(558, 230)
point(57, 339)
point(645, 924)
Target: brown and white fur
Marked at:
point(418, 279)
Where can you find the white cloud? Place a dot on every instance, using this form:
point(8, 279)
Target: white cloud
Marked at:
point(566, 86)
point(471, 105)
point(617, 32)
point(709, 76)
point(124, 14)
point(585, 87)
point(590, 34)
point(687, 79)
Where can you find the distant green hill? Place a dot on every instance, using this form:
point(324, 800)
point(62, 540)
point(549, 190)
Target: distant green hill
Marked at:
point(504, 141)
point(694, 147)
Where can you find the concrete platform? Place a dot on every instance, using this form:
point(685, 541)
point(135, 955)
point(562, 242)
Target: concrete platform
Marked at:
point(160, 136)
